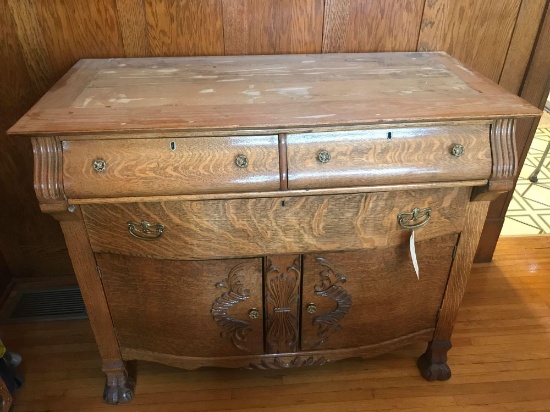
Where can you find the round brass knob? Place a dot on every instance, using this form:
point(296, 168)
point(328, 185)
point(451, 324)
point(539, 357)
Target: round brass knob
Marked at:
point(457, 150)
point(253, 313)
point(311, 308)
point(323, 156)
point(241, 161)
point(99, 165)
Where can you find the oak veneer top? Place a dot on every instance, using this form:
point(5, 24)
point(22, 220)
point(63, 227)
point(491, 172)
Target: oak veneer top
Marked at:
point(259, 92)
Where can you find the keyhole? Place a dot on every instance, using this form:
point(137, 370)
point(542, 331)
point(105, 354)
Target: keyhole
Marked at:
point(389, 135)
point(283, 203)
point(172, 146)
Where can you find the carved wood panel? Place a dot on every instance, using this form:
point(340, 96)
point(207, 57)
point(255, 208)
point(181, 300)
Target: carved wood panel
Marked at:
point(235, 292)
point(371, 296)
point(330, 286)
point(185, 308)
point(282, 277)
point(288, 362)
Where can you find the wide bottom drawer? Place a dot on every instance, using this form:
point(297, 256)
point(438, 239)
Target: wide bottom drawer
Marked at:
point(256, 227)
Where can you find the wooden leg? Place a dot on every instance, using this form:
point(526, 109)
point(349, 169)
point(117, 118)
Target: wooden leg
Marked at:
point(119, 386)
point(433, 363)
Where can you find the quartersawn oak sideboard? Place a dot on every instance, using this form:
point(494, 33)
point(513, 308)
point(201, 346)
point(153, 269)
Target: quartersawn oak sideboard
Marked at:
point(271, 211)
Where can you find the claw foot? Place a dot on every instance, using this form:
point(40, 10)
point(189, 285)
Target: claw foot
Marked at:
point(119, 390)
point(433, 363)
point(119, 387)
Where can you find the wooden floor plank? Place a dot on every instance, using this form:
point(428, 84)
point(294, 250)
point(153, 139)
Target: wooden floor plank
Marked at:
point(500, 360)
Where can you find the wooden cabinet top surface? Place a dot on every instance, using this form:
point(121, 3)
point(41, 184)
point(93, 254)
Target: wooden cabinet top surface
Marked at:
point(237, 93)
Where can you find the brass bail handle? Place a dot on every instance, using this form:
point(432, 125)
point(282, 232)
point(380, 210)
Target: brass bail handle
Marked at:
point(408, 220)
point(145, 230)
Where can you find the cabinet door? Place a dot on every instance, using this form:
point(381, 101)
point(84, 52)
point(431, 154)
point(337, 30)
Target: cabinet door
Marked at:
point(361, 298)
point(182, 308)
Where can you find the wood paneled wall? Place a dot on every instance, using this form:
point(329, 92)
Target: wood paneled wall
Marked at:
point(40, 40)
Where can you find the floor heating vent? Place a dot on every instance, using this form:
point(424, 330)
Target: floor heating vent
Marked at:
point(48, 304)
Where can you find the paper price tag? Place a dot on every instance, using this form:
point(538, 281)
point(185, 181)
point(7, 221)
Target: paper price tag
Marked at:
point(413, 255)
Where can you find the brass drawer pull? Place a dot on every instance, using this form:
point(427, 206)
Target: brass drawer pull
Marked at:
point(457, 150)
point(145, 230)
point(323, 156)
point(99, 165)
point(253, 313)
point(407, 220)
point(241, 161)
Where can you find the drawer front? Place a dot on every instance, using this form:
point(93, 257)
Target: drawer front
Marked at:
point(185, 308)
point(255, 227)
point(388, 156)
point(352, 299)
point(148, 167)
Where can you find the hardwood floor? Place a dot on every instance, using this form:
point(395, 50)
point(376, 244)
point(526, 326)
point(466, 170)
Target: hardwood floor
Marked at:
point(500, 360)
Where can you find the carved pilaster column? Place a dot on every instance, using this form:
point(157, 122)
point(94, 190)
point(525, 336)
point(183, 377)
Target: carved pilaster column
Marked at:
point(505, 161)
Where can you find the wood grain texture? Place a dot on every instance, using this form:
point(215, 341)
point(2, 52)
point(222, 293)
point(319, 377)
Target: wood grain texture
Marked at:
point(535, 89)
point(283, 162)
point(462, 264)
point(277, 193)
point(70, 31)
point(371, 26)
point(505, 306)
point(282, 282)
point(256, 227)
point(84, 31)
point(279, 361)
point(393, 156)
point(48, 172)
point(131, 19)
point(91, 287)
point(142, 292)
point(21, 220)
point(33, 44)
point(504, 161)
point(476, 32)
point(521, 44)
point(149, 167)
point(387, 299)
point(184, 27)
point(272, 26)
point(259, 92)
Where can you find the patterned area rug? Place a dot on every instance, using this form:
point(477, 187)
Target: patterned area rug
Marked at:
point(529, 210)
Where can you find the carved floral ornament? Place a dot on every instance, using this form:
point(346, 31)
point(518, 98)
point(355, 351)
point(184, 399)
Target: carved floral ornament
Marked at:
point(233, 329)
point(282, 290)
point(330, 287)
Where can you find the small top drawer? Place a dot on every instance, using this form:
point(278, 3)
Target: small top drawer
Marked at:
point(149, 167)
point(388, 156)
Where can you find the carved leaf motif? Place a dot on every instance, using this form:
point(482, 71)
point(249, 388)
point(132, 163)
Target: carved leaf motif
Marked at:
point(282, 363)
point(282, 297)
point(328, 287)
point(233, 329)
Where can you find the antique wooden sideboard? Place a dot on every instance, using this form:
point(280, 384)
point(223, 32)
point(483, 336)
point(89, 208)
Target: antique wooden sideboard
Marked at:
point(271, 211)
